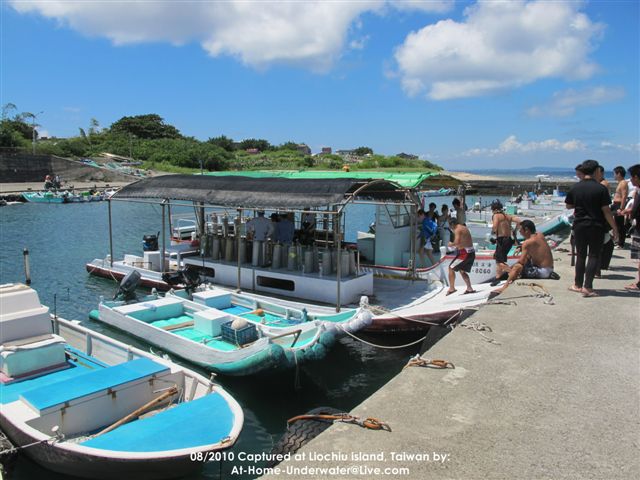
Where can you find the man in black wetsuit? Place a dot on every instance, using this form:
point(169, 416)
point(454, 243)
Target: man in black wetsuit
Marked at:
point(591, 202)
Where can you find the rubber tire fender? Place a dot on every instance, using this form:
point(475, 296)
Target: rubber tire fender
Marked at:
point(301, 432)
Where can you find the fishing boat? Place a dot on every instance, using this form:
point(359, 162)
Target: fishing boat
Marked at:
point(227, 333)
point(62, 197)
point(46, 197)
point(419, 306)
point(319, 272)
point(83, 404)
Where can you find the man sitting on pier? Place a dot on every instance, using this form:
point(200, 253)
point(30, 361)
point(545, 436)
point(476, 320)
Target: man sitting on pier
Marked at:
point(536, 260)
point(465, 256)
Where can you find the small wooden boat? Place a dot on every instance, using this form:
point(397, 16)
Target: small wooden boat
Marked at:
point(82, 404)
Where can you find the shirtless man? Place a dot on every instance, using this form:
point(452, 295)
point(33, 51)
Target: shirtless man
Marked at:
point(619, 202)
point(465, 256)
point(536, 260)
point(461, 215)
point(504, 239)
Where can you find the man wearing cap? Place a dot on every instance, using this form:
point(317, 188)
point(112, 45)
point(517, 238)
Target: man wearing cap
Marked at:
point(504, 240)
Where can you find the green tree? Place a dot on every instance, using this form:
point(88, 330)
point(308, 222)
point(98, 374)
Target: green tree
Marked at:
point(289, 146)
point(223, 142)
point(362, 151)
point(150, 126)
point(260, 144)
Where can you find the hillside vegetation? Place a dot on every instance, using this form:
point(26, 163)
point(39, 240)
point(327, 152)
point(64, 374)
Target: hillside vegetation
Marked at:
point(160, 146)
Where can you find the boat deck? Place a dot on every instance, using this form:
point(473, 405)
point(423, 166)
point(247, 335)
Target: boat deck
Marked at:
point(77, 364)
point(161, 432)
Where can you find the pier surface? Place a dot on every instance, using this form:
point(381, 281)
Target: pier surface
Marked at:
point(554, 394)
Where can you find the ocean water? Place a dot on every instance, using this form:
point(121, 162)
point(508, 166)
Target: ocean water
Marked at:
point(559, 174)
point(62, 238)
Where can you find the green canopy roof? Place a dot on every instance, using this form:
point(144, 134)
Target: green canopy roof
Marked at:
point(404, 179)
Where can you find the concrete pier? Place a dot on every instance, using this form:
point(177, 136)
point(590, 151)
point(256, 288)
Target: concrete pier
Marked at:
point(553, 391)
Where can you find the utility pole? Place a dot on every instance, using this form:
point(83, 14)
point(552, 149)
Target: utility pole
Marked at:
point(33, 130)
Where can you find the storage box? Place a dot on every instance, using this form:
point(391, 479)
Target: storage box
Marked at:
point(210, 321)
point(242, 336)
point(214, 298)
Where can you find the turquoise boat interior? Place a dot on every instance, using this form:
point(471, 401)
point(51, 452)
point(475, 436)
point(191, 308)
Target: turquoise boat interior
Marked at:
point(56, 397)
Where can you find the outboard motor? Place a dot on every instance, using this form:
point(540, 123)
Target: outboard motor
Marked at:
point(187, 277)
point(128, 285)
point(150, 243)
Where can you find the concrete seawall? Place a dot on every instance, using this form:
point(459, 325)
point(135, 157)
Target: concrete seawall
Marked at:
point(551, 392)
point(23, 167)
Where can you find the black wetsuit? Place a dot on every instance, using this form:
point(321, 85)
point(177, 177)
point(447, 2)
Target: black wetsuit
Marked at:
point(588, 197)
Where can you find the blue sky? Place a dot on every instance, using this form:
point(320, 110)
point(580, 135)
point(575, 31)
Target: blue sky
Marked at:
point(467, 85)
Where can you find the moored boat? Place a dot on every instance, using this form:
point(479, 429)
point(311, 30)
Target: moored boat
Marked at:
point(82, 404)
point(228, 333)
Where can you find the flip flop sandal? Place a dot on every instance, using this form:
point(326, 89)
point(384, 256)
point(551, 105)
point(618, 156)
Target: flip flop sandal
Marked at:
point(468, 291)
point(590, 294)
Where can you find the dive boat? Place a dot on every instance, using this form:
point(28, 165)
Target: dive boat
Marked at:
point(317, 269)
point(82, 404)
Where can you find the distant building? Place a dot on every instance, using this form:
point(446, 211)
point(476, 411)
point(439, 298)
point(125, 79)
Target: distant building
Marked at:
point(326, 151)
point(252, 151)
point(304, 149)
point(407, 156)
point(345, 153)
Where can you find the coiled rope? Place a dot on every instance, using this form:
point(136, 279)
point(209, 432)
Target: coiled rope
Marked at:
point(417, 361)
point(480, 327)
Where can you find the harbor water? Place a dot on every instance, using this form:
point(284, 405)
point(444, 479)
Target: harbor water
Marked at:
point(62, 238)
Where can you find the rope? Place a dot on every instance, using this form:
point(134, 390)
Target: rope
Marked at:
point(380, 346)
point(480, 327)
point(429, 363)
point(541, 292)
point(369, 422)
point(296, 378)
point(502, 302)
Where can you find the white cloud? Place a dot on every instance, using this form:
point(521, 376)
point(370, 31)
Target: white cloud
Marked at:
point(429, 6)
point(565, 102)
point(311, 34)
point(633, 147)
point(500, 45)
point(512, 145)
point(359, 43)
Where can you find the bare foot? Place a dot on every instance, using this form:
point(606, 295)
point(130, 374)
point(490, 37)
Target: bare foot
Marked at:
point(575, 288)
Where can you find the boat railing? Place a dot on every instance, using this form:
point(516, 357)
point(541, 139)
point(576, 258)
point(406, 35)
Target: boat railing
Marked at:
point(112, 352)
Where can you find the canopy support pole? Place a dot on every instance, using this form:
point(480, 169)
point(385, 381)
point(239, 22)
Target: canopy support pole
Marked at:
point(338, 244)
point(200, 221)
point(236, 232)
point(164, 236)
point(110, 235)
point(413, 222)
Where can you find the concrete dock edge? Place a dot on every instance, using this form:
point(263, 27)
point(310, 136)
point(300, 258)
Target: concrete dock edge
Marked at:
point(555, 394)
